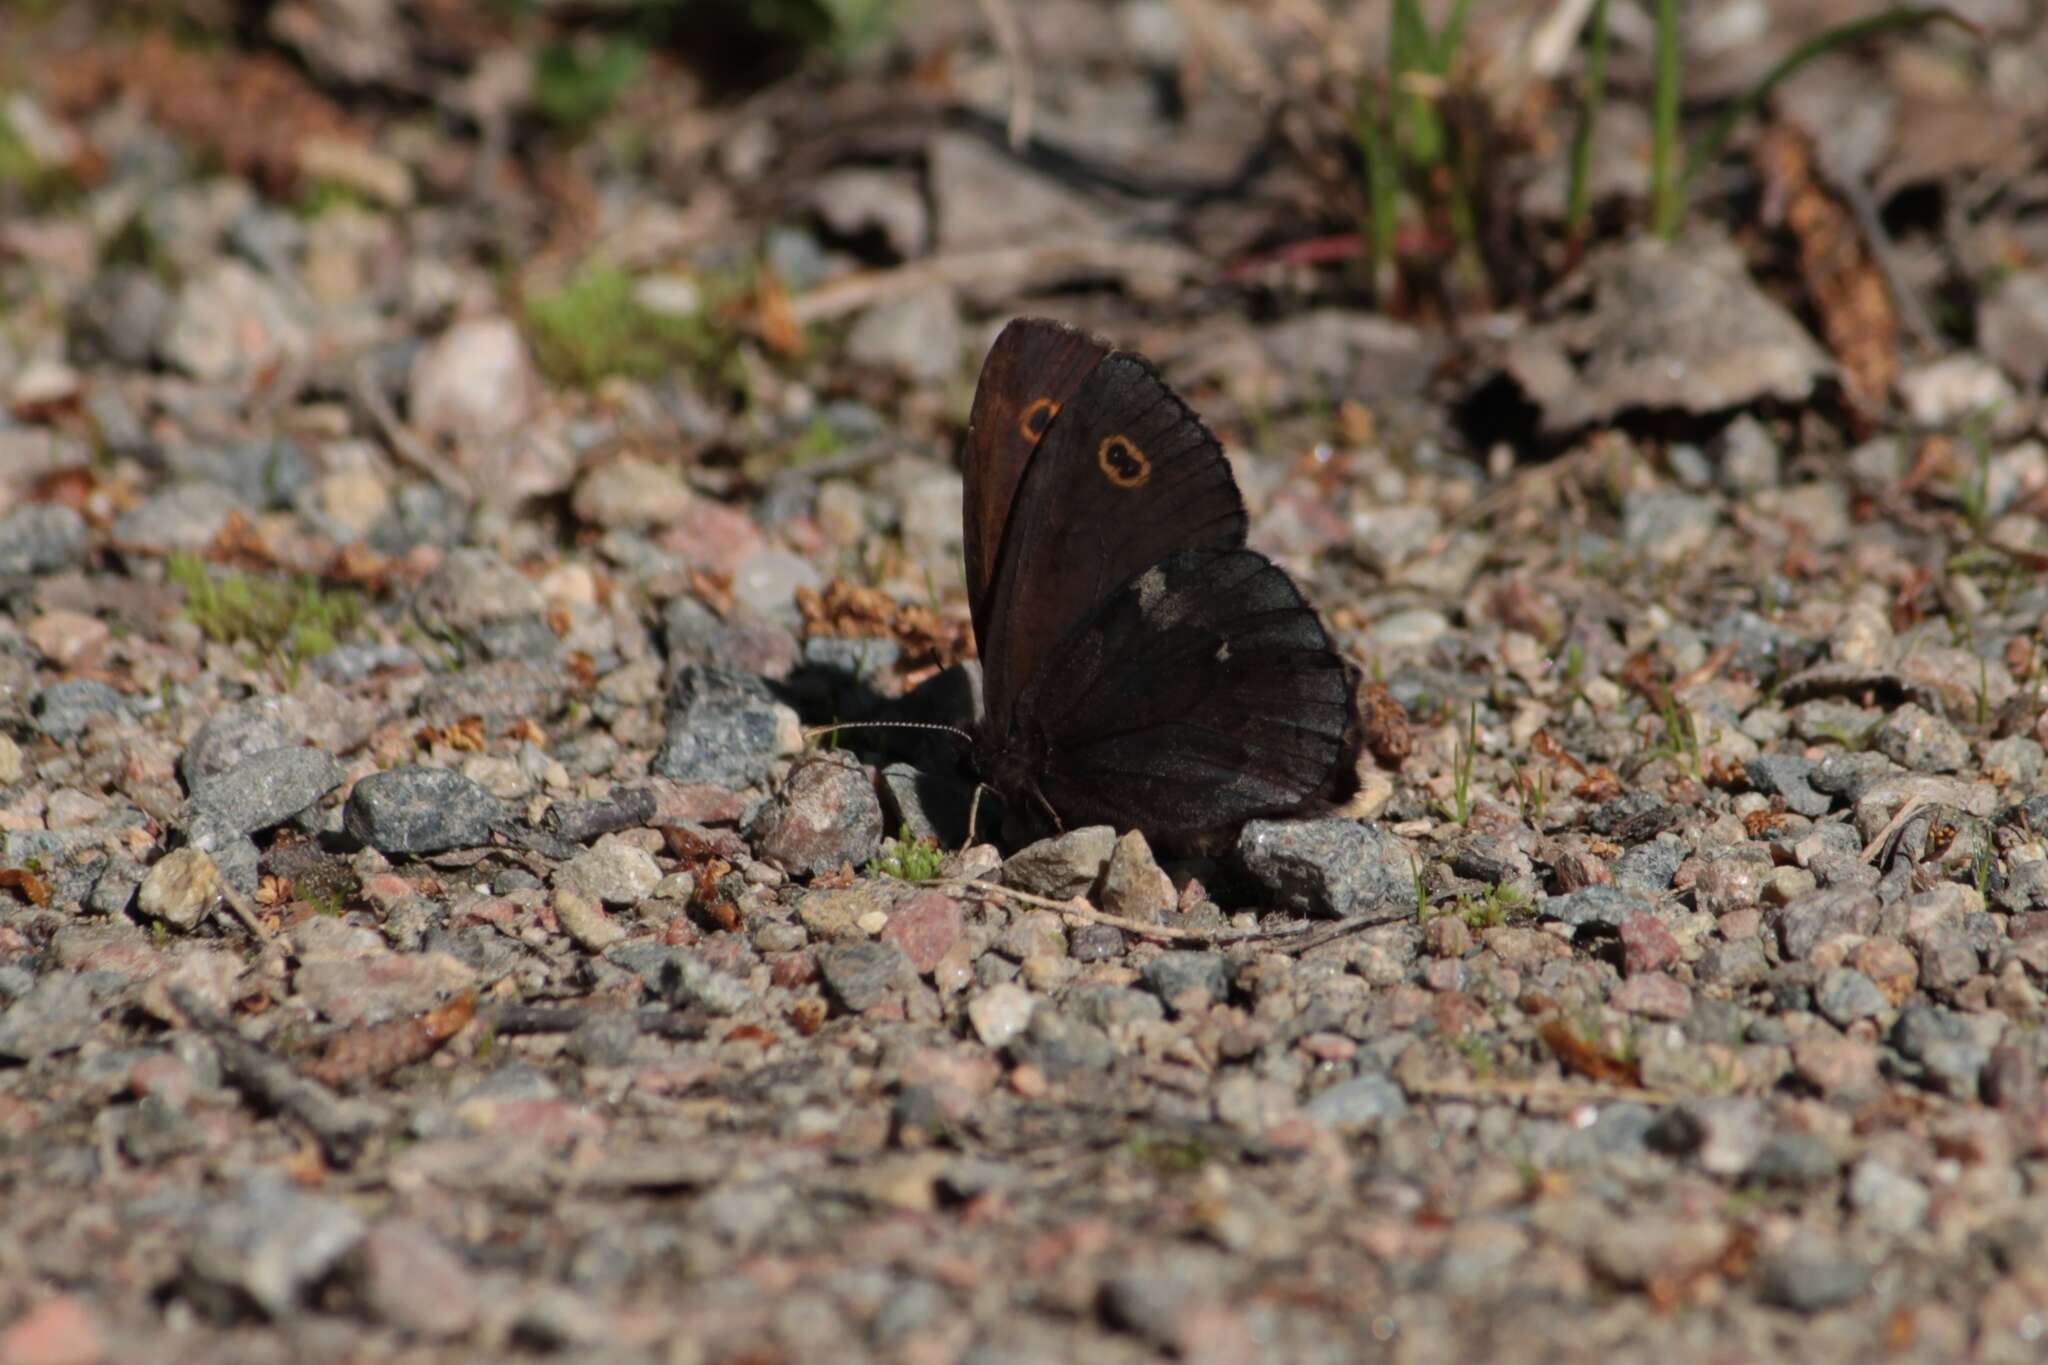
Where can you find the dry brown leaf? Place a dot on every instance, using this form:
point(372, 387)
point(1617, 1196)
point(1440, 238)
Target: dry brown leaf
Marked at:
point(1842, 277)
point(32, 888)
point(1385, 723)
point(1587, 1059)
point(380, 1049)
point(850, 611)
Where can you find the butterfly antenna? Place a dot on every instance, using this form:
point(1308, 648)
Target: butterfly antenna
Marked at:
point(819, 731)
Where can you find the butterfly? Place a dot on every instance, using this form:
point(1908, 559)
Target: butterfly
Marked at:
point(1140, 667)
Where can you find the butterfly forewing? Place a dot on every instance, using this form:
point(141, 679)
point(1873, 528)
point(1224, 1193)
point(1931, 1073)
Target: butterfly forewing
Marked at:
point(1202, 693)
point(1030, 374)
point(1124, 476)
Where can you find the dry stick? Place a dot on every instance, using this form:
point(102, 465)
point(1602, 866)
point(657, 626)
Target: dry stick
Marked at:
point(1893, 826)
point(1009, 35)
point(996, 268)
point(245, 910)
point(404, 444)
point(1173, 933)
point(1534, 1090)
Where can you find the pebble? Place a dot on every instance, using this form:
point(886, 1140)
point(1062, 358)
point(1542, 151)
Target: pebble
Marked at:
point(722, 728)
point(414, 1283)
point(1668, 525)
point(859, 974)
point(265, 789)
point(229, 325)
point(925, 928)
point(614, 871)
point(1134, 886)
point(1327, 867)
point(631, 492)
point(41, 538)
point(1181, 977)
point(917, 336)
point(267, 1242)
point(1068, 865)
point(181, 889)
point(1811, 1273)
point(1917, 739)
point(63, 710)
point(1000, 1013)
point(824, 816)
point(581, 915)
point(419, 810)
point(476, 381)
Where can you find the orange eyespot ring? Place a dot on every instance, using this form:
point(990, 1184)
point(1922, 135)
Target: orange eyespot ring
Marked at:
point(1122, 463)
point(1037, 418)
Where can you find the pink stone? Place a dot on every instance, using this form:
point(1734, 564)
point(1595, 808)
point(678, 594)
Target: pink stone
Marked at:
point(1654, 995)
point(1646, 945)
point(924, 928)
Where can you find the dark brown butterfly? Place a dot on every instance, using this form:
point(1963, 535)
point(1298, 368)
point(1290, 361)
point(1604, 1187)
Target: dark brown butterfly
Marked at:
point(1141, 668)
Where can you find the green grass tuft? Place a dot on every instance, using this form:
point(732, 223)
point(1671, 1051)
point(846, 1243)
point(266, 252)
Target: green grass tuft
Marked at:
point(593, 328)
point(285, 620)
point(907, 859)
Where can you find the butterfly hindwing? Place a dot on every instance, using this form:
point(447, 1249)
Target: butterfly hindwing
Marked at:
point(1201, 693)
point(1124, 476)
point(1030, 374)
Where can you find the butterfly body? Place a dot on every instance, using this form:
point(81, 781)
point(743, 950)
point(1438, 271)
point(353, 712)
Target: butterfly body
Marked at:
point(1141, 668)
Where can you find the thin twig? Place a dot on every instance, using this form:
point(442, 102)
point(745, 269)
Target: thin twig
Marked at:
point(1552, 1091)
point(1893, 826)
point(400, 438)
point(244, 910)
point(1312, 936)
point(1000, 268)
point(1009, 36)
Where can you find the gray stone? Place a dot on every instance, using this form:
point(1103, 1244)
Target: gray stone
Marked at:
point(1666, 524)
point(63, 710)
point(57, 1015)
point(1915, 738)
point(1173, 974)
point(1811, 1273)
point(723, 728)
point(1749, 456)
point(1946, 1046)
point(1886, 1198)
point(472, 588)
point(1650, 867)
point(116, 317)
point(859, 974)
point(1788, 776)
point(1070, 864)
point(1595, 907)
point(1816, 916)
point(266, 1244)
point(419, 810)
point(680, 978)
point(1058, 1042)
point(266, 789)
point(1844, 995)
point(1327, 867)
point(231, 735)
point(826, 814)
point(917, 336)
point(181, 518)
point(929, 805)
point(1794, 1160)
point(41, 538)
point(1359, 1101)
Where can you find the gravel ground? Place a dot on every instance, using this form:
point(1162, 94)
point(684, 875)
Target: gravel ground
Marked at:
point(427, 932)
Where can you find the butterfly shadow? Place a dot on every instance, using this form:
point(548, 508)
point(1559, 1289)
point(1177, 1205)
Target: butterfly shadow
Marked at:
point(916, 742)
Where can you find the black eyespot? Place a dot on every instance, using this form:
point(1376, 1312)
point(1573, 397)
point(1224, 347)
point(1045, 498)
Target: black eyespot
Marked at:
point(1037, 418)
point(1122, 463)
